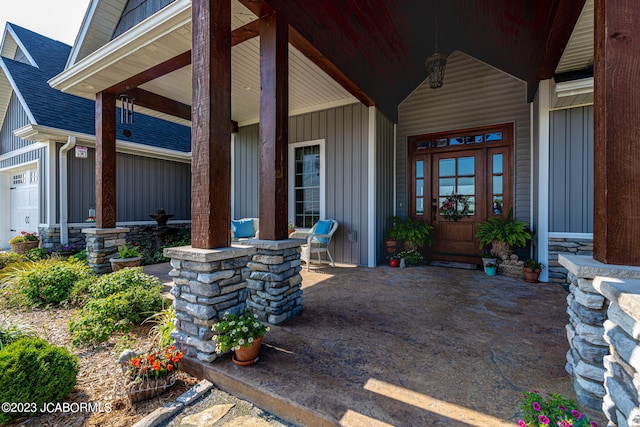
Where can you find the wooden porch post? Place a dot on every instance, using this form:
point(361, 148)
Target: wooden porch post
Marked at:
point(616, 236)
point(274, 125)
point(105, 160)
point(211, 132)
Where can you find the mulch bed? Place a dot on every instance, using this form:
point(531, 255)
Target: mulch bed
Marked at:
point(100, 379)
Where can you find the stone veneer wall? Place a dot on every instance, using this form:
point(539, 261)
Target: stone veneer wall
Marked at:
point(262, 276)
point(50, 235)
point(587, 309)
point(622, 364)
point(275, 292)
point(565, 245)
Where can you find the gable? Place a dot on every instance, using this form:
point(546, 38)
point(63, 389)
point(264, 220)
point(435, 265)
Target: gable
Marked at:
point(137, 11)
point(15, 118)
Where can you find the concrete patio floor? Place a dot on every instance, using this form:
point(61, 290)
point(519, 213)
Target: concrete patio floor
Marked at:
point(421, 346)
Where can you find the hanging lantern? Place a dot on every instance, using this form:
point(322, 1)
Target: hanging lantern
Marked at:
point(437, 62)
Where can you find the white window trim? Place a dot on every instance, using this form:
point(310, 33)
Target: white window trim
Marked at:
point(291, 172)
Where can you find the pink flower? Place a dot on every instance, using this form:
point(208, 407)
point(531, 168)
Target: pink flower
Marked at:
point(576, 414)
point(562, 407)
point(521, 423)
point(536, 406)
point(593, 424)
point(543, 419)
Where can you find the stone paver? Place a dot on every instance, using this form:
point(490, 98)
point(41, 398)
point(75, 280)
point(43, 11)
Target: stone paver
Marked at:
point(207, 417)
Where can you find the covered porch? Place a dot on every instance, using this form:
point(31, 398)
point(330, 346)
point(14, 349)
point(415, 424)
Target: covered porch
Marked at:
point(427, 346)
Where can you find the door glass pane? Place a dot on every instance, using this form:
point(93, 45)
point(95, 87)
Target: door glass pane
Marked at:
point(466, 166)
point(497, 163)
point(307, 185)
point(419, 206)
point(497, 185)
point(419, 187)
point(466, 186)
point(497, 189)
point(420, 169)
point(447, 167)
point(447, 186)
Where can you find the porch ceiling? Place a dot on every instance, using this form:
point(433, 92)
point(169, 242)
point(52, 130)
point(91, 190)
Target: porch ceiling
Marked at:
point(379, 45)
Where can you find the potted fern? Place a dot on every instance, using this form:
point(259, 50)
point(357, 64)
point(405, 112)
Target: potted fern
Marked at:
point(413, 233)
point(503, 234)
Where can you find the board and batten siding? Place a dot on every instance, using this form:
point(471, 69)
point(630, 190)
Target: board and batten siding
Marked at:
point(474, 94)
point(246, 169)
point(384, 180)
point(345, 132)
point(15, 118)
point(137, 11)
point(143, 185)
point(571, 170)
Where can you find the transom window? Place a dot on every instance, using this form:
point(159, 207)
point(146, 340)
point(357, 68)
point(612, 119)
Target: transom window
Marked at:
point(306, 183)
point(18, 179)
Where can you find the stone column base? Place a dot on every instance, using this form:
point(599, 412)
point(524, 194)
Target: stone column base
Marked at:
point(587, 310)
point(207, 283)
point(275, 284)
point(102, 244)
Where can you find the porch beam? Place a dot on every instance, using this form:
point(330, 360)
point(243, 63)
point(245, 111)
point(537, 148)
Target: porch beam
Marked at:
point(274, 125)
point(239, 35)
point(160, 103)
point(211, 114)
point(616, 237)
point(105, 160)
point(315, 56)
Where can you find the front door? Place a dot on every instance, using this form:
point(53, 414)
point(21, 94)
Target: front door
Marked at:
point(458, 180)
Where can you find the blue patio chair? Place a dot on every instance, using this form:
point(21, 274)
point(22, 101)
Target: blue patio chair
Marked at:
point(318, 240)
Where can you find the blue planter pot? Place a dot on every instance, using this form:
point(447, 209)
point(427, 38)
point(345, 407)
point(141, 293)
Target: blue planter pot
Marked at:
point(491, 271)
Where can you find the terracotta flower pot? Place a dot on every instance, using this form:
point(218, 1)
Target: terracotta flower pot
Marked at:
point(530, 275)
point(394, 262)
point(247, 355)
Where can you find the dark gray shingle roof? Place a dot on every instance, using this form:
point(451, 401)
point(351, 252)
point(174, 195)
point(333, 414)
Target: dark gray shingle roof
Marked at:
point(55, 109)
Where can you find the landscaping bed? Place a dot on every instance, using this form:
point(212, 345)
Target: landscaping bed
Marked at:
point(100, 379)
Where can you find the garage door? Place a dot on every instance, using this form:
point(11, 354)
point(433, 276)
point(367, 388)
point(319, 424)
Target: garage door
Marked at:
point(24, 201)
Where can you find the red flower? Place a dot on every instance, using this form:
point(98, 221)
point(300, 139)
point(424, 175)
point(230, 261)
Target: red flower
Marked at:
point(156, 366)
point(169, 367)
point(135, 362)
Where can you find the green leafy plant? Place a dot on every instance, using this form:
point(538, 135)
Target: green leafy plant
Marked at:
point(118, 300)
point(36, 254)
point(12, 331)
point(533, 265)
point(35, 371)
point(7, 258)
point(552, 411)
point(414, 233)
point(411, 257)
point(158, 364)
point(24, 237)
point(235, 330)
point(126, 251)
point(43, 282)
point(162, 326)
point(509, 230)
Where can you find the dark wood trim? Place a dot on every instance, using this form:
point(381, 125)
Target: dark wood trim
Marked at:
point(152, 73)
point(616, 231)
point(160, 103)
point(260, 8)
point(274, 126)
point(506, 128)
point(245, 32)
point(105, 160)
point(211, 114)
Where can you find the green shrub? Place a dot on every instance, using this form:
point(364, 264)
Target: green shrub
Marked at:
point(7, 258)
point(12, 331)
point(47, 281)
point(126, 251)
point(120, 281)
point(36, 254)
point(35, 371)
point(120, 299)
